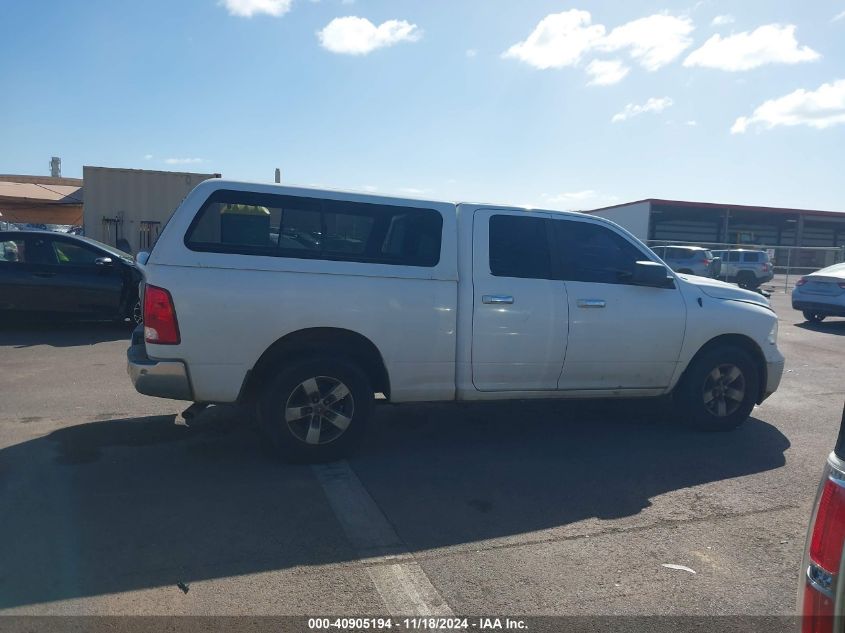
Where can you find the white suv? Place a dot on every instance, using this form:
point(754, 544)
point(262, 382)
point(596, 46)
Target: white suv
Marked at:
point(308, 302)
point(748, 268)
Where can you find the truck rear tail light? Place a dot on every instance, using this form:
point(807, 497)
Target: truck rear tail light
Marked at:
point(801, 281)
point(765, 267)
point(160, 325)
point(824, 556)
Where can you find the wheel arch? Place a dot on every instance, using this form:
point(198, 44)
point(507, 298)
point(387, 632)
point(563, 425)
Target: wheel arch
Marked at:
point(320, 340)
point(743, 342)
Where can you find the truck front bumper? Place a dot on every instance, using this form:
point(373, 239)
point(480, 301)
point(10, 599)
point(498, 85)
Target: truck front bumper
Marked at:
point(160, 378)
point(774, 372)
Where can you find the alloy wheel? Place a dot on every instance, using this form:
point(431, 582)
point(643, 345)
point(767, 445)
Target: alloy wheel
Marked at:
point(137, 315)
point(724, 390)
point(319, 410)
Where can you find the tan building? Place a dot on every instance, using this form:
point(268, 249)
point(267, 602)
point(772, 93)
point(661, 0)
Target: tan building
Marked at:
point(40, 200)
point(131, 206)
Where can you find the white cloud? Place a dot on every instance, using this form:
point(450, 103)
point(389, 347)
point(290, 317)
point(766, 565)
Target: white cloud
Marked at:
point(471, 52)
point(722, 20)
point(347, 1)
point(248, 8)
point(580, 199)
point(654, 41)
point(654, 104)
point(558, 40)
point(412, 191)
point(571, 196)
point(183, 161)
point(148, 156)
point(605, 73)
point(820, 109)
point(691, 123)
point(369, 188)
point(564, 39)
point(358, 36)
point(768, 44)
point(838, 16)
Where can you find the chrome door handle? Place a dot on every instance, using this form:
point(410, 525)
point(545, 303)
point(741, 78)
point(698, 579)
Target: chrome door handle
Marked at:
point(496, 299)
point(591, 303)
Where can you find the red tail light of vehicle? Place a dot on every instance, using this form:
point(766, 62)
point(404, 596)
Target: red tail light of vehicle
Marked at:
point(822, 590)
point(801, 281)
point(765, 267)
point(160, 325)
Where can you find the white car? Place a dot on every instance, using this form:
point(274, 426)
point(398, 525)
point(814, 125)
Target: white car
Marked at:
point(821, 294)
point(308, 302)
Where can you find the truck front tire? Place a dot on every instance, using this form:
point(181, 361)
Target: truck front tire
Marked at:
point(315, 409)
point(718, 390)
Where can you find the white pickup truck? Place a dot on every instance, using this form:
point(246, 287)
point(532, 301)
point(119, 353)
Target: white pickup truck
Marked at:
point(309, 302)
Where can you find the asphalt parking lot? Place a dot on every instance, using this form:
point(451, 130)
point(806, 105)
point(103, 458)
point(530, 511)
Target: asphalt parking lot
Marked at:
point(111, 505)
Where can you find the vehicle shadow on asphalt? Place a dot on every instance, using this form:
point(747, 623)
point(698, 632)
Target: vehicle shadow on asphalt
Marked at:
point(18, 334)
point(127, 504)
point(826, 327)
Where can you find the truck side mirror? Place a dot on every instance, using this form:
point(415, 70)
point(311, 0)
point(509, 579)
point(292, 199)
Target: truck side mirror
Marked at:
point(647, 273)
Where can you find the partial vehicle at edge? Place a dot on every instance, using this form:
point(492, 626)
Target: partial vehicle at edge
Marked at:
point(56, 276)
point(822, 592)
point(821, 294)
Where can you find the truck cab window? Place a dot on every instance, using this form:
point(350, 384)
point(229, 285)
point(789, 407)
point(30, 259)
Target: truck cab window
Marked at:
point(593, 253)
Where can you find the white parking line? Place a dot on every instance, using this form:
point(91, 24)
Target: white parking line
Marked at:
point(399, 579)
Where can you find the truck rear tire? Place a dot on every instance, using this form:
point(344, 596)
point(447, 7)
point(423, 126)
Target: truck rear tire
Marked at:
point(315, 409)
point(718, 390)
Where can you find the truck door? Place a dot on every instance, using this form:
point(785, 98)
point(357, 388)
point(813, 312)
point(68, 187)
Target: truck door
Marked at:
point(520, 313)
point(621, 336)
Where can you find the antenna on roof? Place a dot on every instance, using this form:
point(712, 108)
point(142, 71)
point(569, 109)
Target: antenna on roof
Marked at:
point(56, 167)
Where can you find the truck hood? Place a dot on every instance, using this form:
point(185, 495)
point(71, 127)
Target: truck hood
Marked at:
point(721, 290)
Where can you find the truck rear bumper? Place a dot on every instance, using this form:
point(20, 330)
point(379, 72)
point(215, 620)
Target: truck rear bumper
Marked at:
point(160, 378)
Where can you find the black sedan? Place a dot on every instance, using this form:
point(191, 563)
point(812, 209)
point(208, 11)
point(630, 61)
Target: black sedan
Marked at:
point(60, 276)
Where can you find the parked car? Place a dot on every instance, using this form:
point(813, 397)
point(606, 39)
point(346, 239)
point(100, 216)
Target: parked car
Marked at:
point(747, 268)
point(55, 275)
point(821, 294)
point(822, 592)
point(689, 260)
point(429, 301)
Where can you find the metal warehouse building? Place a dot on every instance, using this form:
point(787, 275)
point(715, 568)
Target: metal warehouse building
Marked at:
point(128, 207)
point(708, 224)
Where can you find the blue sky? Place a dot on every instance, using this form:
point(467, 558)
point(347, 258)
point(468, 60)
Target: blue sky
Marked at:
point(544, 103)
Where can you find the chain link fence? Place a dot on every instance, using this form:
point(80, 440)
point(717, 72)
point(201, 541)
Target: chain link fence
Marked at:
point(789, 263)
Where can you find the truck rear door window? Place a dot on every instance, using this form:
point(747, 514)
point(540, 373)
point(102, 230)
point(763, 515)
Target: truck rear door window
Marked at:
point(313, 228)
point(519, 247)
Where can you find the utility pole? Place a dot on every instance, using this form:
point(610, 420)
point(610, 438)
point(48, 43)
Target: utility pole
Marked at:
point(278, 175)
